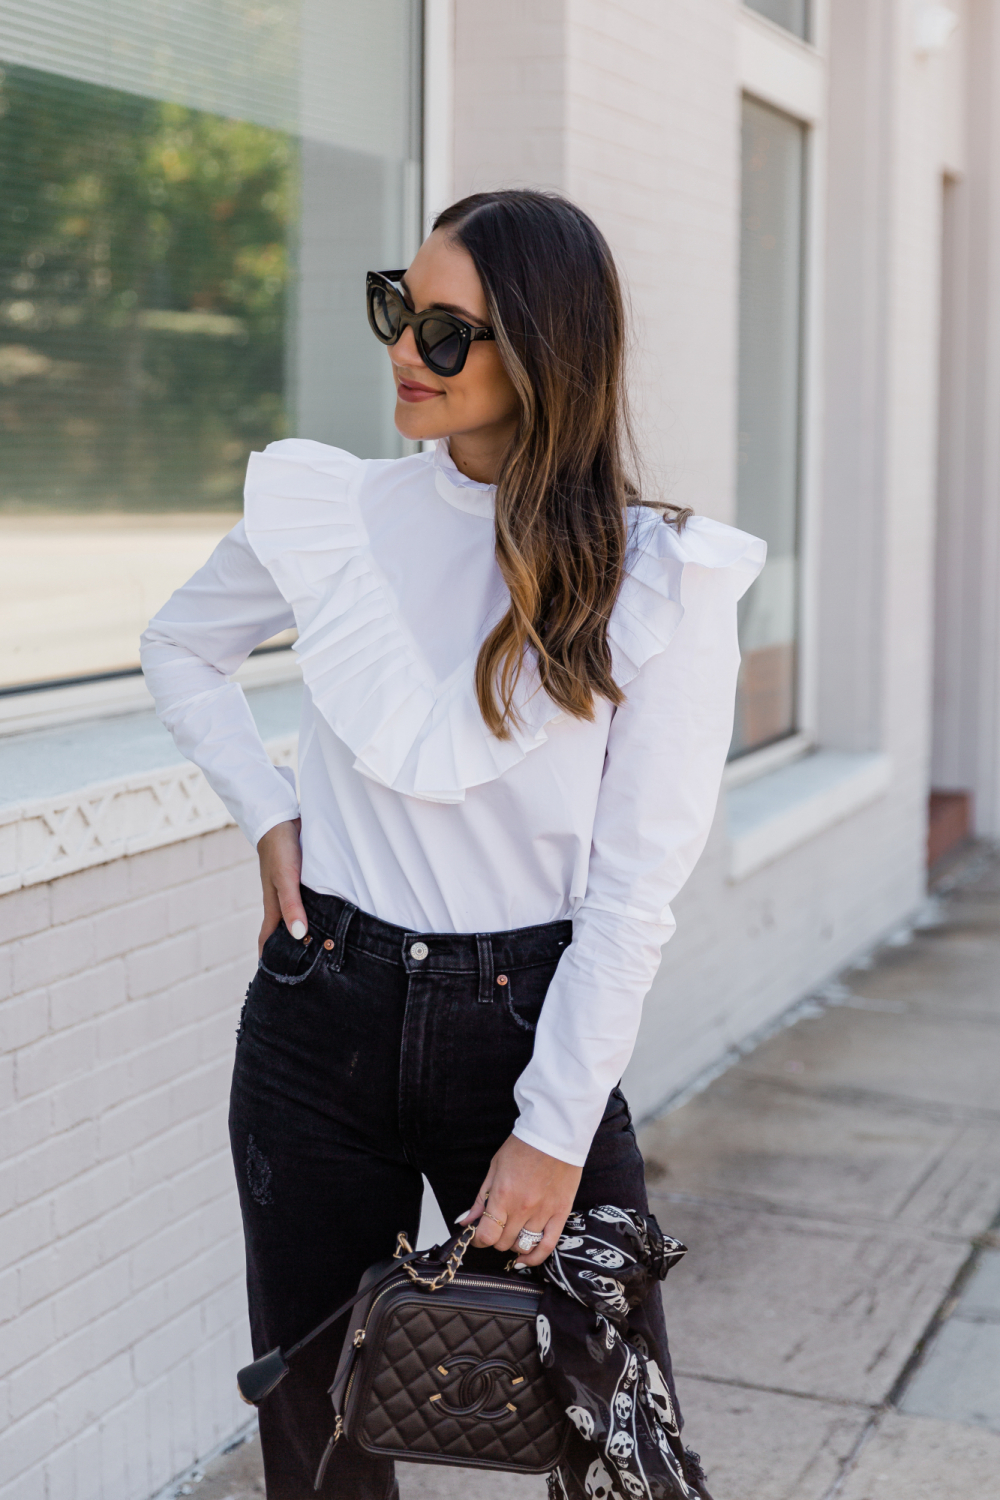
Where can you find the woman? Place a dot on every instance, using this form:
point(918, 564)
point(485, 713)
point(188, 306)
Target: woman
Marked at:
point(518, 699)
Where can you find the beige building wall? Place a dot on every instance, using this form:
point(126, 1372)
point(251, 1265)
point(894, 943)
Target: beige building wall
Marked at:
point(633, 111)
point(630, 110)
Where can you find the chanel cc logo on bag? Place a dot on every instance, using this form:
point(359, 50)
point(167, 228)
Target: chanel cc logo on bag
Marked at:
point(477, 1387)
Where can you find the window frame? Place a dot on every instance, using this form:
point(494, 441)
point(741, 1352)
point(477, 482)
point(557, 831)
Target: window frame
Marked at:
point(811, 8)
point(778, 69)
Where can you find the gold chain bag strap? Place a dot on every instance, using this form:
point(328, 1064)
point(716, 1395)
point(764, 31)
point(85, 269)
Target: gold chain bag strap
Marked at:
point(459, 1245)
point(439, 1365)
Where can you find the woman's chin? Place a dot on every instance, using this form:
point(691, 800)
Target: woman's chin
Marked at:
point(417, 425)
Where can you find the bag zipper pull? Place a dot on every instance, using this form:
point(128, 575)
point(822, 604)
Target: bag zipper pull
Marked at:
point(327, 1451)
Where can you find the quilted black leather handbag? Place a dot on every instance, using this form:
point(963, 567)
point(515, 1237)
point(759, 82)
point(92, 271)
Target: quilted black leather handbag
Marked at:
point(439, 1365)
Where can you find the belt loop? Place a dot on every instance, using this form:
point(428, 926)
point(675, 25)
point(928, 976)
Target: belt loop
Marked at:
point(340, 937)
point(484, 943)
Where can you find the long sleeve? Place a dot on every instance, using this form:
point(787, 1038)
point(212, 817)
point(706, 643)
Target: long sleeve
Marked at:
point(666, 753)
point(189, 651)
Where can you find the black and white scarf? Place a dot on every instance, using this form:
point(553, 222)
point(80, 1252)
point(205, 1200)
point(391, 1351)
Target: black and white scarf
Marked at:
point(627, 1444)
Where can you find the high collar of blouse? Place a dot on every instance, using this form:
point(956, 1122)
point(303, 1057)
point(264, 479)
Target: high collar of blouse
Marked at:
point(464, 494)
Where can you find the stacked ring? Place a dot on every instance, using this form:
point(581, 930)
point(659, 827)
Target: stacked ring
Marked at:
point(527, 1240)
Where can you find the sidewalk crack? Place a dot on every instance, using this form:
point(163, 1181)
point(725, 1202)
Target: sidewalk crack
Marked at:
point(774, 1390)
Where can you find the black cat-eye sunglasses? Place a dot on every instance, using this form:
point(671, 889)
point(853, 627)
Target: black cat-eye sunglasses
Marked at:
point(443, 339)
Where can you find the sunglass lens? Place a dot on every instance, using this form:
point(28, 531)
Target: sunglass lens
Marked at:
point(442, 344)
point(385, 307)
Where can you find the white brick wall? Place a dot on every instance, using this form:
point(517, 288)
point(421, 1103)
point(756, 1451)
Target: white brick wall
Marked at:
point(121, 1258)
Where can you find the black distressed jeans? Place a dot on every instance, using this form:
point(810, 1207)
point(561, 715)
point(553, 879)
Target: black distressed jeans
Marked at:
point(367, 1056)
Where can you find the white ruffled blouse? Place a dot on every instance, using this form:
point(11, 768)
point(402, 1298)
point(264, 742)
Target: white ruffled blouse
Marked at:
point(411, 809)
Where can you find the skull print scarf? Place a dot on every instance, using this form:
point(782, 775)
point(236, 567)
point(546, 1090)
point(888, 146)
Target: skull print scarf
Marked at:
point(598, 1360)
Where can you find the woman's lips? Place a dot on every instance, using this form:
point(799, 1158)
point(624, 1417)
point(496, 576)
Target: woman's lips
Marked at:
point(408, 390)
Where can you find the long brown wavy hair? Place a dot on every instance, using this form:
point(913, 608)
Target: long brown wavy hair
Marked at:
point(555, 305)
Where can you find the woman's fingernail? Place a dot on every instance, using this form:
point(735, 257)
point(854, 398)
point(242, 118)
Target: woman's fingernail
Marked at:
point(298, 929)
point(462, 1217)
point(519, 1265)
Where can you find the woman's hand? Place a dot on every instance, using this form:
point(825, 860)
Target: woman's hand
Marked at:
point(280, 867)
point(528, 1189)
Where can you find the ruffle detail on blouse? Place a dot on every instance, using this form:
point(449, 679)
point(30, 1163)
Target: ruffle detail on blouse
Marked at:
point(407, 731)
point(419, 737)
point(649, 607)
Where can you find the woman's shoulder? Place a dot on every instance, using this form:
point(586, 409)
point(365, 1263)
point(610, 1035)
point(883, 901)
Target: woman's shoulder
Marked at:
point(299, 482)
point(298, 501)
point(306, 454)
point(662, 557)
point(297, 450)
point(283, 460)
point(659, 546)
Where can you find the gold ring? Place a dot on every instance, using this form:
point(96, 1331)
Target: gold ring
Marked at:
point(488, 1215)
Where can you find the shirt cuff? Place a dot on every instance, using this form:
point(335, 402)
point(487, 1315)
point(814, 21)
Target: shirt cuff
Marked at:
point(270, 822)
point(541, 1144)
point(283, 807)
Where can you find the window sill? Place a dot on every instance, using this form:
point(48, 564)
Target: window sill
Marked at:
point(76, 796)
point(784, 808)
point(22, 713)
point(757, 763)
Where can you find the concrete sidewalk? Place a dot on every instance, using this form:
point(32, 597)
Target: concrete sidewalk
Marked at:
point(836, 1325)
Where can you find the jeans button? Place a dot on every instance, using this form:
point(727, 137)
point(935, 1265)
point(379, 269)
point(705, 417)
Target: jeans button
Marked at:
point(419, 950)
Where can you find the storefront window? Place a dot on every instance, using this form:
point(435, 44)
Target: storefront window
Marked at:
point(792, 14)
point(189, 198)
point(768, 476)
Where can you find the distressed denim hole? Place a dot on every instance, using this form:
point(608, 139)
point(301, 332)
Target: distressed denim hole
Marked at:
point(242, 1025)
point(258, 1173)
point(508, 996)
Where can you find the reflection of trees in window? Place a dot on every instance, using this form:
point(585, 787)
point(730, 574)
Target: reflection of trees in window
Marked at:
point(144, 268)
